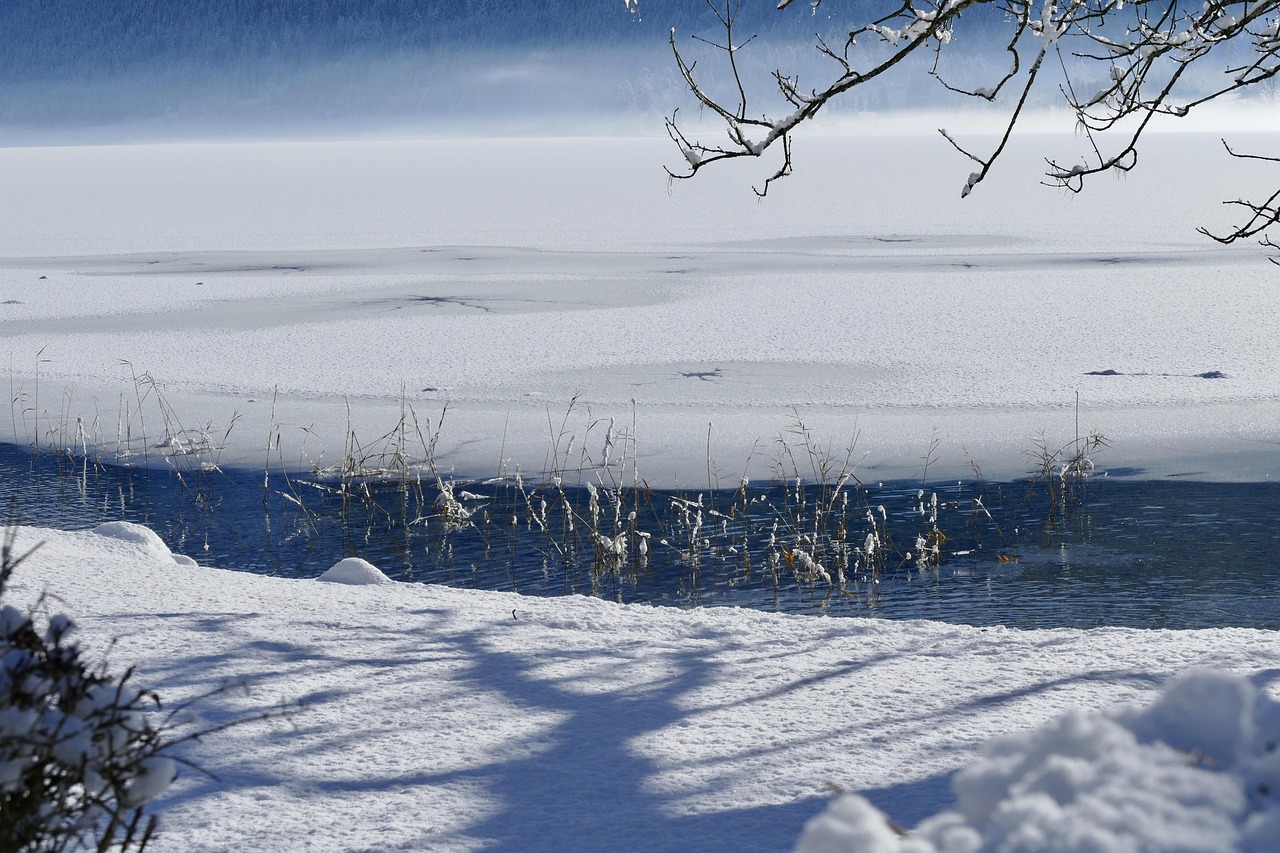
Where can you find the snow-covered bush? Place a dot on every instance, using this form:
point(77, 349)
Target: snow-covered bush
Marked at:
point(1198, 770)
point(80, 755)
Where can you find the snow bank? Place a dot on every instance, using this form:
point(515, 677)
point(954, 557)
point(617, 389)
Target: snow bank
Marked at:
point(439, 719)
point(354, 571)
point(1198, 769)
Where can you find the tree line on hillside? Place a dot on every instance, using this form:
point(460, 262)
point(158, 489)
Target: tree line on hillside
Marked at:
point(70, 39)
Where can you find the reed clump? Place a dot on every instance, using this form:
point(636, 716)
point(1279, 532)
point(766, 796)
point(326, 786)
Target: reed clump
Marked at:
point(813, 526)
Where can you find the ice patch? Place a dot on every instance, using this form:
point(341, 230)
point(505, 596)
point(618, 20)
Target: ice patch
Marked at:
point(356, 572)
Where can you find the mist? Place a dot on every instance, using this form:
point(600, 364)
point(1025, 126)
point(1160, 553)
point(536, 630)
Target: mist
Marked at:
point(441, 92)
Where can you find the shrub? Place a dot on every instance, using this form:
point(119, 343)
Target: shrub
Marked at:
point(81, 754)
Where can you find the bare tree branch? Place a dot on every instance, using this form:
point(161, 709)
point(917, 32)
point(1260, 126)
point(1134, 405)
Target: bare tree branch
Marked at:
point(1261, 216)
point(1142, 49)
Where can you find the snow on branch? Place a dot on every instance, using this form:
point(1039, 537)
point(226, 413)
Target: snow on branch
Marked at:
point(1143, 51)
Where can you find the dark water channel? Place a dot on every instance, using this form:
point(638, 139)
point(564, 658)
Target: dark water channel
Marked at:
point(1169, 554)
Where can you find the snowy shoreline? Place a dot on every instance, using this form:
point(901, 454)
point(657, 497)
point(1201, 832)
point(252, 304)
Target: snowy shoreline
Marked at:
point(446, 719)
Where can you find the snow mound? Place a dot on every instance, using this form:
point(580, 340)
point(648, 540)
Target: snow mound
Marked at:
point(354, 571)
point(1197, 770)
point(148, 539)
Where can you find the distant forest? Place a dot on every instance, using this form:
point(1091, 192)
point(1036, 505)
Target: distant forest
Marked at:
point(40, 39)
point(154, 68)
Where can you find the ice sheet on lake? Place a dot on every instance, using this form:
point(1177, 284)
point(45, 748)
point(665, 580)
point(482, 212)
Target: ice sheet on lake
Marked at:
point(313, 287)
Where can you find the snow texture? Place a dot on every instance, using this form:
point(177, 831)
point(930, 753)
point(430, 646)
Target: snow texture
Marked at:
point(442, 719)
point(1194, 771)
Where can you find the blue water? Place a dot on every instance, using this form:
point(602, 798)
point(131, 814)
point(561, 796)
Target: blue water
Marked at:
point(1166, 554)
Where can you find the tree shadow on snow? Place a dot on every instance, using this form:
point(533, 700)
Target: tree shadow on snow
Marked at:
point(590, 788)
point(615, 759)
point(908, 803)
point(578, 784)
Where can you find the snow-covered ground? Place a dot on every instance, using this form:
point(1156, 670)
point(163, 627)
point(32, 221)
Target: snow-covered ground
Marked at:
point(308, 286)
point(292, 292)
point(443, 719)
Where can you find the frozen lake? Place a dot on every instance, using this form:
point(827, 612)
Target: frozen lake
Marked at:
point(298, 294)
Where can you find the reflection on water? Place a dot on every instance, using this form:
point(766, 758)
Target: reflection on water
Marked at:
point(1171, 554)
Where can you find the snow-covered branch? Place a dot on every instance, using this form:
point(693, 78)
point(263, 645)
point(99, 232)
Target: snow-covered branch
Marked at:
point(1143, 51)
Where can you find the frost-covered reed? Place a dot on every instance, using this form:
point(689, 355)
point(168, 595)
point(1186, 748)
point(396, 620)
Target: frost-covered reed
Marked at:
point(814, 525)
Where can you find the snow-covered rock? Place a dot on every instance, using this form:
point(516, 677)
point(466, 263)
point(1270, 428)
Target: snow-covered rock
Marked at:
point(141, 535)
point(354, 571)
point(127, 531)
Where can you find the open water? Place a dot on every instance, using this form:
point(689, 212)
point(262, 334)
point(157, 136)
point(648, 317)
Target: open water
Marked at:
point(1155, 554)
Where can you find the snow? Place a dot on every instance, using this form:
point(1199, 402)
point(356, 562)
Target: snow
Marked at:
point(430, 718)
point(136, 534)
point(1194, 770)
point(298, 289)
point(354, 571)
